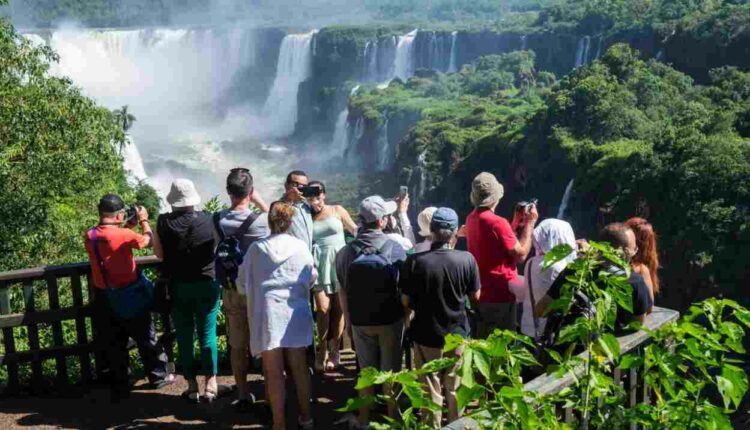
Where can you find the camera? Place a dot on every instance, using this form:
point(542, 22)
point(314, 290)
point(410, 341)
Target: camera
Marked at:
point(308, 191)
point(527, 205)
point(131, 215)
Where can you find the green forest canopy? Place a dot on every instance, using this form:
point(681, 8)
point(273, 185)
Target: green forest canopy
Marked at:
point(639, 137)
point(58, 155)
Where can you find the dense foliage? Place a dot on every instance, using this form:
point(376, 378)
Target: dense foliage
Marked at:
point(638, 137)
point(58, 155)
point(691, 365)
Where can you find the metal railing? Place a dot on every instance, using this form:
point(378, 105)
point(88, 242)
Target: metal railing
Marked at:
point(37, 309)
point(637, 390)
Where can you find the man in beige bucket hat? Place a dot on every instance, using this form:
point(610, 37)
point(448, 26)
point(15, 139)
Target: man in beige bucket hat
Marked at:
point(493, 242)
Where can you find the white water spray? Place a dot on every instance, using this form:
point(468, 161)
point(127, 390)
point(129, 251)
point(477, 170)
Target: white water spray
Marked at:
point(565, 200)
point(453, 66)
point(582, 52)
point(294, 67)
point(132, 161)
point(404, 63)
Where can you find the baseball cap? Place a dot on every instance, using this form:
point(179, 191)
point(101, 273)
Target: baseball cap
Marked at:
point(444, 218)
point(374, 208)
point(486, 190)
point(110, 204)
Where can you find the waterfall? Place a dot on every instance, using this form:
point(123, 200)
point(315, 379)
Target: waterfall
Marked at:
point(383, 144)
point(453, 67)
point(582, 52)
point(341, 133)
point(524, 42)
point(132, 161)
point(565, 200)
point(404, 63)
point(659, 55)
point(294, 67)
point(599, 48)
point(422, 165)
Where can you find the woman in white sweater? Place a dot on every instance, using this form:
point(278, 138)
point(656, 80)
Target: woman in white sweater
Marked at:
point(279, 275)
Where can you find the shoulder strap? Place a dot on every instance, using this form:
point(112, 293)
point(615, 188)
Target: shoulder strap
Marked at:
point(99, 259)
point(217, 225)
point(245, 226)
point(527, 276)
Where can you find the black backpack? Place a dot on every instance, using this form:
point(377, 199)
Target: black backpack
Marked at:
point(372, 286)
point(556, 320)
point(229, 254)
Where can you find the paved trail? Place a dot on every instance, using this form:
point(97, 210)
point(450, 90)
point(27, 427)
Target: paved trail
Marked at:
point(164, 408)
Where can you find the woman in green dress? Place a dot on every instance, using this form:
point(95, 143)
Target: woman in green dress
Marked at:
point(329, 222)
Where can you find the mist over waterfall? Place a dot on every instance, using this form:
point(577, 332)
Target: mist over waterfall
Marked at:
point(180, 84)
point(294, 66)
point(404, 63)
point(565, 200)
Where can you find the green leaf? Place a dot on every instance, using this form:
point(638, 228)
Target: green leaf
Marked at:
point(467, 371)
point(356, 403)
point(465, 395)
point(609, 346)
point(555, 255)
point(370, 376)
point(438, 365)
point(453, 341)
point(732, 384)
point(480, 360)
point(630, 361)
point(511, 392)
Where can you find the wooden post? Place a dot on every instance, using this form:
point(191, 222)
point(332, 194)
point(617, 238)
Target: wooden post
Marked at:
point(37, 378)
point(57, 331)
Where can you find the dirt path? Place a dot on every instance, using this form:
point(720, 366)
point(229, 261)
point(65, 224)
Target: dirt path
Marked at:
point(164, 408)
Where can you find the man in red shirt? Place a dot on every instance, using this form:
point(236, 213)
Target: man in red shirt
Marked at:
point(493, 242)
point(110, 249)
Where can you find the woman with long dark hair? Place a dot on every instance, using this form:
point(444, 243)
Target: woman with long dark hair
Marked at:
point(646, 260)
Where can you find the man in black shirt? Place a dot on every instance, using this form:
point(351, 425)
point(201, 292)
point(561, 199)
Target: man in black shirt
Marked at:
point(435, 284)
point(620, 237)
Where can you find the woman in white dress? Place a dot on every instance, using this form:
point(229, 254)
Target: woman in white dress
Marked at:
point(279, 275)
point(547, 235)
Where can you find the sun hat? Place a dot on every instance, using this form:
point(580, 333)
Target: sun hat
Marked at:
point(183, 194)
point(486, 190)
point(444, 218)
point(374, 208)
point(423, 220)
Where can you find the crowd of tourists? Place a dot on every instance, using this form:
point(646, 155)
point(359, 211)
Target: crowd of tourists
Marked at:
point(270, 266)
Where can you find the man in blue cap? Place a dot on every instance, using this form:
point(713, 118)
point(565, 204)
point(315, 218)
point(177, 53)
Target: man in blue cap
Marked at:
point(435, 285)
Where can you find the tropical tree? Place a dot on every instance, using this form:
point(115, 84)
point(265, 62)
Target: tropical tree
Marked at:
point(124, 119)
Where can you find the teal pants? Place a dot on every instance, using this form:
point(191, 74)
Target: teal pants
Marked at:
point(194, 309)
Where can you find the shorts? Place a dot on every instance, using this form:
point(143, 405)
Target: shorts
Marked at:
point(238, 327)
point(379, 346)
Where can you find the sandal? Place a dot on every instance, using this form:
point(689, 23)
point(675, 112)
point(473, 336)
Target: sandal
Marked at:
point(211, 392)
point(191, 396)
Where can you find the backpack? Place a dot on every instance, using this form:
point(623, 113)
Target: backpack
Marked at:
point(556, 320)
point(372, 286)
point(229, 254)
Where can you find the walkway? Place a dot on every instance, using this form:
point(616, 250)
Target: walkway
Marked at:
point(164, 408)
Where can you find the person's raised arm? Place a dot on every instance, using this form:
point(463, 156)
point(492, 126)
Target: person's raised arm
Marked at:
point(142, 216)
point(347, 220)
point(523, 245)
point(258, 201)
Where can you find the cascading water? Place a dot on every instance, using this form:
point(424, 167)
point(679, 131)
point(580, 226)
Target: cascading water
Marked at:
point(404, 63)
point(422, 165)
point(384, 159)
point(453, 66)
point(179, 85)
point(341, 130)
point(294, 66)
point(565, 200)
point(132, 161)
point(524, 42)
point(582, 52)
point(599, 48)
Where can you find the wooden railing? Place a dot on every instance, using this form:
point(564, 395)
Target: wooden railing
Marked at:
point(636, 389)
point(31, 308)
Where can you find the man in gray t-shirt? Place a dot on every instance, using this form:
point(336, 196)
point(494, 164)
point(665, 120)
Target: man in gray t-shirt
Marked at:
point(242, 194)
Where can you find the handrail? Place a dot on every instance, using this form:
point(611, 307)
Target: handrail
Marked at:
point(552, 384)
point(36, 273)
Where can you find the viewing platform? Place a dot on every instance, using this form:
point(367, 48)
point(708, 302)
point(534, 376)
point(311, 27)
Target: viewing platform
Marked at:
point(50, 363)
